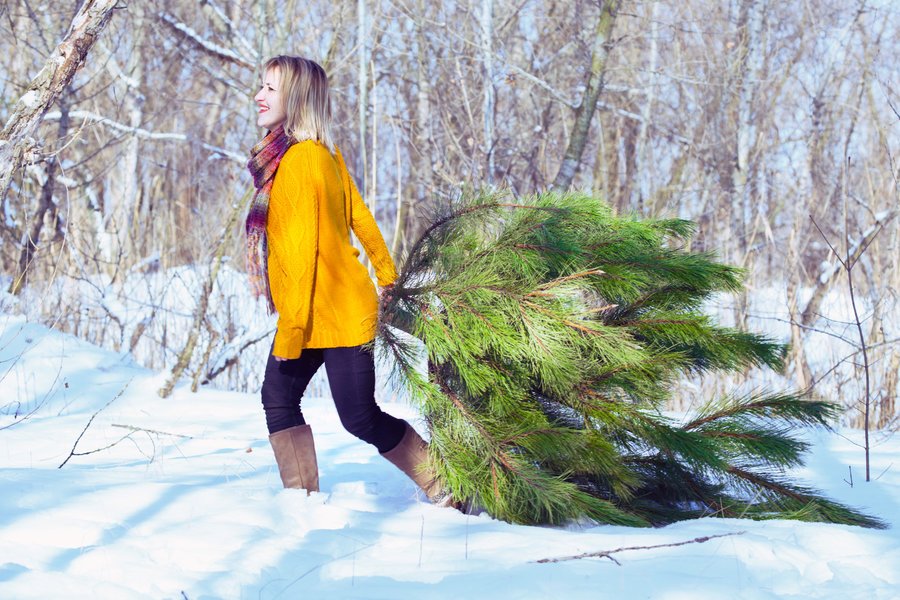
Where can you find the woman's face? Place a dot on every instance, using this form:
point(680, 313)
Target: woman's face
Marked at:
point(270, 109)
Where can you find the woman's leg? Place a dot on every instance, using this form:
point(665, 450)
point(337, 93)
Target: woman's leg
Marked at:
point(283, 387)
point(291, 439)
point(351, 375)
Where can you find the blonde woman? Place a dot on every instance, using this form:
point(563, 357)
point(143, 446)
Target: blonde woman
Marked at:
point(301, 260)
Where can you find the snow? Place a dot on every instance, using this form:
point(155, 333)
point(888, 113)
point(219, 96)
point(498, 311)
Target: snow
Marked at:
point(191, 506)
point(210, 46)
point(29, 99)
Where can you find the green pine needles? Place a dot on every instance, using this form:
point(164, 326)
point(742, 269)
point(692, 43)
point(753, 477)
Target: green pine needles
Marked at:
point(553, 332)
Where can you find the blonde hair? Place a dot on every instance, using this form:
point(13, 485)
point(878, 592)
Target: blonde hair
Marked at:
point(306, 100)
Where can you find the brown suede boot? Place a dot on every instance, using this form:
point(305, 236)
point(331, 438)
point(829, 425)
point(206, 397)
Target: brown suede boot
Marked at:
point(295, 454)
point(411, 457)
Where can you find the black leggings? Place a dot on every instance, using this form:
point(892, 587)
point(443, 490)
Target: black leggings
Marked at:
point(351, 376)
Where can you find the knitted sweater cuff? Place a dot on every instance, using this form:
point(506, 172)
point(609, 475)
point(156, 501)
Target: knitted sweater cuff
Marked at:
point(288, 342)
point(386, 274)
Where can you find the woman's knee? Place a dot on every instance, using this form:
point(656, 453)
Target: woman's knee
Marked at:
point(379, 428)
point(360, 424)
point(281, 392)
point(280, 409)
point(276, 391)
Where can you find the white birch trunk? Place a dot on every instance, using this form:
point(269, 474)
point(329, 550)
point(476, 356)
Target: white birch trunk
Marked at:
point(421, 150)
point(134, 101)
point(643, 162)
point(585, 111)
point(746, 131)
point(486, 21)
point(742, 204)
point(362, 84)
point(373, 191)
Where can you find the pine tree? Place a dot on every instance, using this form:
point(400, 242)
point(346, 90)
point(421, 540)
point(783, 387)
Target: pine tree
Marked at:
point(554, 331)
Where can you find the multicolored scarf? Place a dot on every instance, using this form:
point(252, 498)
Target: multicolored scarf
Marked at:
point(264, 159)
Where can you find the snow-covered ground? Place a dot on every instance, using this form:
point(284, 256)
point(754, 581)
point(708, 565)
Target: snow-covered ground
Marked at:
point(187, 503)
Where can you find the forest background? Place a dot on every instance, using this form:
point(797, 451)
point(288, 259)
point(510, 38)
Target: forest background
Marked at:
point(773, 125)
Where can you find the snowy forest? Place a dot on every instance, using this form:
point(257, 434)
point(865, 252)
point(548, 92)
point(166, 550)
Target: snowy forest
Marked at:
point(771, 125)
point(756, 141)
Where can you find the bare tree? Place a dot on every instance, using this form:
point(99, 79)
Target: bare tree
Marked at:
point(609, 10)
point(16, 142)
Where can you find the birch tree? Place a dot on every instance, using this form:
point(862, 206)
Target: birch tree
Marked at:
point(17, 145)
point(609, 10)
point(486, 22)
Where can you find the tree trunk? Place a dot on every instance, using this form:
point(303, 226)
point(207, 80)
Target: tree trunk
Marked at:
point(363, 96)
point(643, 169)
point(16, 143)
point(585, 111)
point(409, 218)
point(45, 204)
point(487, 34)
point(751, 56)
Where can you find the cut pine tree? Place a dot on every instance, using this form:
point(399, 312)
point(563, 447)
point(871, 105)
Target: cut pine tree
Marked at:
point(554, 330)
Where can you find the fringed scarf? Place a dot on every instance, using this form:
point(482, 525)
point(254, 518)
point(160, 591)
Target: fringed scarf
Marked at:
point(264, 159)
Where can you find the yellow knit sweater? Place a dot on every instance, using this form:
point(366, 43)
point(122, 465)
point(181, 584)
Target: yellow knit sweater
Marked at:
point(323, 294)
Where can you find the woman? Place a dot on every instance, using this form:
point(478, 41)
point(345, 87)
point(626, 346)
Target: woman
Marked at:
point(301, 260)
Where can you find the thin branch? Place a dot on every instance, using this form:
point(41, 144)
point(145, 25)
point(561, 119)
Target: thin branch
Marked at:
point(608, 553)
point(91, 420)
point(133, 429)
point(207, 46)
point(233, 29)
point(145, 134)
point(834, 251)
point(320, 565)
point(224, 365)
point(828, 276)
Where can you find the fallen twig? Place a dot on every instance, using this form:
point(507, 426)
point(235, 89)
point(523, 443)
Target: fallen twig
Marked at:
point(154, 431)
point(91, 420)
point(608, 553)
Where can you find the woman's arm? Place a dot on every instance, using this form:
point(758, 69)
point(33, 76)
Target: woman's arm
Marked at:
point(293, 237)
point(366, 230)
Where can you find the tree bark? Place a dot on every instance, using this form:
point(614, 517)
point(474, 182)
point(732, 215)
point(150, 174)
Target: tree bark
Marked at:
point(641, 193)
point(487, 34)
point(16, 143)
point(45, 205)
point(421, 150)
point(585, 111)
point(751, 58)
point(363, 97)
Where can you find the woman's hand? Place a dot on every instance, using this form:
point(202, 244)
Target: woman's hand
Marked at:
point(279, 359)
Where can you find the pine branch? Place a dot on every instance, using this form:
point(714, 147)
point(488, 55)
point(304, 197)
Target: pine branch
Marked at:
point(787, 407)
point(790, 501)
